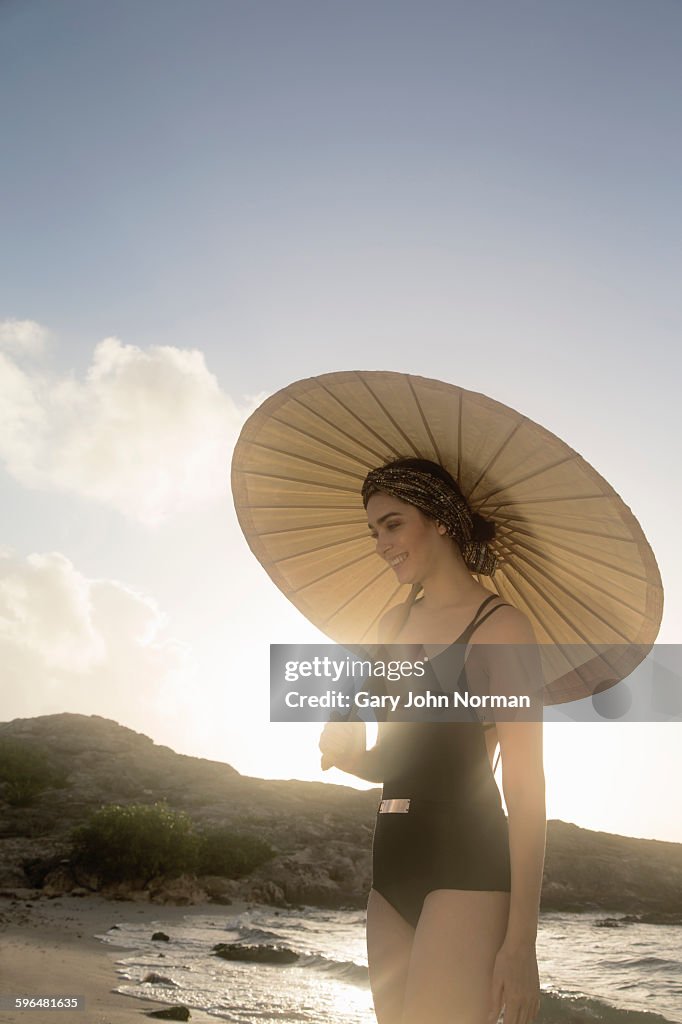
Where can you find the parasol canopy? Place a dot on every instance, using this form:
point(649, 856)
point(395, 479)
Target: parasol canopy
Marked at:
point(571, 555)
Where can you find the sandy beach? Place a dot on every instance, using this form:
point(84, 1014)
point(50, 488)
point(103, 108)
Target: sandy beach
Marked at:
point(48, 947)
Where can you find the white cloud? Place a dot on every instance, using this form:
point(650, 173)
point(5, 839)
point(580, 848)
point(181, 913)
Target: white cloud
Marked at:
point(23, 336)
point(69, 643)
point(149, 432)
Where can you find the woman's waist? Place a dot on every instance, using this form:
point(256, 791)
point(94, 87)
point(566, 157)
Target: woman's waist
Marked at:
point(475, 797)
point(425, 815)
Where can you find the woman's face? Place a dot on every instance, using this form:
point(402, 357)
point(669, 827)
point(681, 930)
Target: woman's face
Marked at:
point(405, 538)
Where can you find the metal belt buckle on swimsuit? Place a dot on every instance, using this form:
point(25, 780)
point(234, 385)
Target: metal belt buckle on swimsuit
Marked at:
point(394, 806)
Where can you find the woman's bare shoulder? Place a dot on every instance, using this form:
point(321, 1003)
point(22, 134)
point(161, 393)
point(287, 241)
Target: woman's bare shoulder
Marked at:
point(507, 626)
point(390, 623)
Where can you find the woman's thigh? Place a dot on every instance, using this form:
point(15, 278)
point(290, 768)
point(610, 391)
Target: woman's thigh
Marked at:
point(389, 944)
point(449, 979)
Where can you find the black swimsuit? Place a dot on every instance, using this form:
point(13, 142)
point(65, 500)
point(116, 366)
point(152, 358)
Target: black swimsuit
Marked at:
point(454, 835)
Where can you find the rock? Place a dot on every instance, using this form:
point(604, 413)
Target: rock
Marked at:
point(12, 876)
point(172, 1013)
point(21, 893)
point(85, 879)
point(268, 892)
point(58, 881)
point(597, 870)
point(653, 917)
point(296, 880)
point(127, 897)
point(183, 891)
point(256, 954)
point(160, 937)
point(341, 869)
point(151, 978)
point(215, 885)
point(39, 869)
point(126, 891)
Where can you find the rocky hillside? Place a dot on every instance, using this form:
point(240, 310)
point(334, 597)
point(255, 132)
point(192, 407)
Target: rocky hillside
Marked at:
point(322, 833)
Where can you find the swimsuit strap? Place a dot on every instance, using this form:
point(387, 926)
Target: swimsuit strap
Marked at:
point(470, 631)
point(481, 606)
point(478, 618)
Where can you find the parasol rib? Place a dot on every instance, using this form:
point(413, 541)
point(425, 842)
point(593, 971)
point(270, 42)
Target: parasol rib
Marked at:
point(315, 485)
point(508, 518)
point(353, 415)
point(460, 427)
point(338, 430)
point(493, 458)
point(531, 583)
point(516, 539)
point(306, 507)
point(350, 600)
point(313, 526)
point(327, 546)
point(584, 581)
point(317, 463)
point(560, 647)
point(394, 423)
point(425, 422)
point(480, 502)
point(531, 610)
point(327, 444)
point(333, 572)
point(522, 502)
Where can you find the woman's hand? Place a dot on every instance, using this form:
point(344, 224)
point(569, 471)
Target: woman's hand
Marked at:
point(516, 985)
point(341, 744)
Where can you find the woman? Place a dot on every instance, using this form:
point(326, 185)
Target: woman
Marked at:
point(453, 909)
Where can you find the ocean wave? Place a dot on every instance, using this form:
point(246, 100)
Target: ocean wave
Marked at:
point(660, 963)
point(253, 934)
point(560, 1008)
point(347, 970)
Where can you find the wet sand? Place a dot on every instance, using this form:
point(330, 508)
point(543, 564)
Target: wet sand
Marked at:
point(48, 947)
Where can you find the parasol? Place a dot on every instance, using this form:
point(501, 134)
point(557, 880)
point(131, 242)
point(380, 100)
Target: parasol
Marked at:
point(571, 555)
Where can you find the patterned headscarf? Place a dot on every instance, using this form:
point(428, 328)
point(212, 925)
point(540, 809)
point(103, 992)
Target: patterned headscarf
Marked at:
point(438, 501)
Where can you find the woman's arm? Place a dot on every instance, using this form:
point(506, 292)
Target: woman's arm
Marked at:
point(515, 978)
point(343, 743)
point(523, 780)
point(516, 982)
point(343, 750)
point(368, 767)
point(523, 783)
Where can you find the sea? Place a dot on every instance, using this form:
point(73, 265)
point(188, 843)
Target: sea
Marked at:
point(627, 973)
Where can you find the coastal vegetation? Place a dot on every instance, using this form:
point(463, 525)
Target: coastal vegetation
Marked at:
point(146, 841)
point(230, 854)
point(26, 772)
point(140, 841)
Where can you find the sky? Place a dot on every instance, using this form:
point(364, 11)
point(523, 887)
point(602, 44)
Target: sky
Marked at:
point(203, 202)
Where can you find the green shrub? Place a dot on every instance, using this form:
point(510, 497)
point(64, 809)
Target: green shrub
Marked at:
point(231, 854)
point(139, 841)
point(26, 772)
